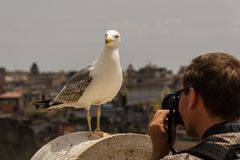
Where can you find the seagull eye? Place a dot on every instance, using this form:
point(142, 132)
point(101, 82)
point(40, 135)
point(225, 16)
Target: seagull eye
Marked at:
point(116, 36)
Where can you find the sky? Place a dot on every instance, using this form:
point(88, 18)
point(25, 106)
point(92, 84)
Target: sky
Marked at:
point(69, 34)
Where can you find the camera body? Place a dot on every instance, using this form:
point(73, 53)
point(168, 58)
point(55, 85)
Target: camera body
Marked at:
point(171, 102)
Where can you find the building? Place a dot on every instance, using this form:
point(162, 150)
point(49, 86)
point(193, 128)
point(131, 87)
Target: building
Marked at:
point(149, 84)
point(2, 78)
point(11, 102)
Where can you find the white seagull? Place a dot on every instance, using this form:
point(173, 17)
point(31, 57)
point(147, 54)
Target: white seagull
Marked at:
point(94, 85)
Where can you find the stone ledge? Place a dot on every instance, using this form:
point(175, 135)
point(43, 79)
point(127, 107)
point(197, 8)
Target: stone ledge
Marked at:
point(77, 146)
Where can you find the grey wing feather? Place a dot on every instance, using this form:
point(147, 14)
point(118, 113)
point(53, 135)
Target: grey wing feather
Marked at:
point(75, 87)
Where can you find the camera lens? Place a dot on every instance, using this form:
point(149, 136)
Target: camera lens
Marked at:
point(171, 101)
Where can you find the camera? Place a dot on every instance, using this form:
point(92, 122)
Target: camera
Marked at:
point(171, 102)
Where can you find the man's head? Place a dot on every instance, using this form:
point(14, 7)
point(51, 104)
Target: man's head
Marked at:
point(216, 78)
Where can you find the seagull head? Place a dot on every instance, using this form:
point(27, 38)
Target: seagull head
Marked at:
point(112, 39)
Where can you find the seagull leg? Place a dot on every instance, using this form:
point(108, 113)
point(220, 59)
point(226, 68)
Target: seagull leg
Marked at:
point(91, 134)
point(98, 130)
point(89, 125)
point(89, 121)
point(98, 117)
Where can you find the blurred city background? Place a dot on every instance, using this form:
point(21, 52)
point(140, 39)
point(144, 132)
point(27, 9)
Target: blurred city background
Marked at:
point(24, 129)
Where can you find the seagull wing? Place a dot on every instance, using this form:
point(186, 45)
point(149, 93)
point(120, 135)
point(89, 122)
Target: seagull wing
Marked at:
point(75, 87)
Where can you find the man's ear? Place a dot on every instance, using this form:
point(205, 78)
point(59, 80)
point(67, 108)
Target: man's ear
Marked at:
point(192, 98)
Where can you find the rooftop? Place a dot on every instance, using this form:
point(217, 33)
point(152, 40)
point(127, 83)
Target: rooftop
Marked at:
point(11, 95)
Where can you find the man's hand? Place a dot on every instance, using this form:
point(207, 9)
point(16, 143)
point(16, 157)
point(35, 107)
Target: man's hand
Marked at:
point(158, 132)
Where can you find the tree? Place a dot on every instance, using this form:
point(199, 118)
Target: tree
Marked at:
point(34, 70)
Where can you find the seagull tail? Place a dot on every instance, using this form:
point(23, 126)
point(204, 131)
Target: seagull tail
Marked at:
point(46, 104)
point(42, 104)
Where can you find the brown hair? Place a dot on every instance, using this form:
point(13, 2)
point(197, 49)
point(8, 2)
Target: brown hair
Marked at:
point(216, 77)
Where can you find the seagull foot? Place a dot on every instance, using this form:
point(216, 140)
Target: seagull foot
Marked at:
point(93, 136)
point(100, 133)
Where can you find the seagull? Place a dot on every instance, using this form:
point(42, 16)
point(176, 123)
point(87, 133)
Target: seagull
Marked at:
point(96, 84)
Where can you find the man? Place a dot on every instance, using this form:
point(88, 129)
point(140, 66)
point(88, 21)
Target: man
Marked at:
point(209, 101)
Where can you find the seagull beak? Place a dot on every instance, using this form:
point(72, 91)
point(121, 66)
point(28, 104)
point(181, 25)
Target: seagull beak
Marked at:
point(108, 40)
